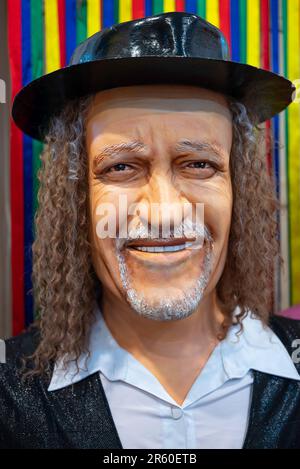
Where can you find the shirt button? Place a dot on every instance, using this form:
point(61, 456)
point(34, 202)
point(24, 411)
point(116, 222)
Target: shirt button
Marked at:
point(176, 413)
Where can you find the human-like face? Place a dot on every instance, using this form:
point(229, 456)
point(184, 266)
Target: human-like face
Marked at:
point(167, 145)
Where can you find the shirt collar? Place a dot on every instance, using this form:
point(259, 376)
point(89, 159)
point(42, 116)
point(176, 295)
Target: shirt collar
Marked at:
point(257, 348)
point(105, 356)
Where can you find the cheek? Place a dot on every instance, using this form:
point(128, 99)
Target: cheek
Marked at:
point(98, 194)
point(216, 195)
point(102, 250)
point(218, 219)
point(106, 198)
point(218, 211)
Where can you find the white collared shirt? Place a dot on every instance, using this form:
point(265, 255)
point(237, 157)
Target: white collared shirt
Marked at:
point(215, 411)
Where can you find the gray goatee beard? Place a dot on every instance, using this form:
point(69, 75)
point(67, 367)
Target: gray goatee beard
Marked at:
point(168, 308)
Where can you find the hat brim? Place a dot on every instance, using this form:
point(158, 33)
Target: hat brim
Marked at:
point(264, 93)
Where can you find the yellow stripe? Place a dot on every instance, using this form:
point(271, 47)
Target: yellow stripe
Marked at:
point(51, 36)
point(169, 5)
point(100, 13)
point(293, 46)
point(93, 17)
point(253, 32)
point(125, 10)
point(212, 12)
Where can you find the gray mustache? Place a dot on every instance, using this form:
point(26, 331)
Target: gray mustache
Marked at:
point(184, 230)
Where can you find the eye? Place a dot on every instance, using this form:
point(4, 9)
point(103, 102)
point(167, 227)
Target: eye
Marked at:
point(199, 165)
point(199, 169)
point(118, 168)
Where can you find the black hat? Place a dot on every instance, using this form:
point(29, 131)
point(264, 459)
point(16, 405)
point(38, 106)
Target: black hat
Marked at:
point(174, 47)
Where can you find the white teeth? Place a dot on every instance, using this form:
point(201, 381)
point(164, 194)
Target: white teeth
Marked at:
point(179, 247)
point(188, 244)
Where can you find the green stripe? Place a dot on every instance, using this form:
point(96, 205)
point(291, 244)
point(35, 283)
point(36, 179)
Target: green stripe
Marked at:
point(37, 68)
point(243, 30)
point(37, 55)
point(81, 24)
point(285, 71)
point(285, 38)
point(157, 6)
point(201, 8)
point(116, 11)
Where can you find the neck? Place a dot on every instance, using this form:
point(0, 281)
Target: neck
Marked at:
point(173, 351)
point(139, 335)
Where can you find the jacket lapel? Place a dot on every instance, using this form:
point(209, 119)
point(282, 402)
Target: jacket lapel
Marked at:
point(274, 420)
point(81, 417)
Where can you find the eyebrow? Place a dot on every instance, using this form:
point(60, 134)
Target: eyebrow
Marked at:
point(137, 146)
point(117, 148)
point(200, 146)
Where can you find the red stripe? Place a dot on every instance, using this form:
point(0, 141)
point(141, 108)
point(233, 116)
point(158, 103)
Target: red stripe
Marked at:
point(180, 5)
point(265, 62)
point(224, 10)
point(62, 31)
point(16, 171)
point(265, 27)
point(138, 9)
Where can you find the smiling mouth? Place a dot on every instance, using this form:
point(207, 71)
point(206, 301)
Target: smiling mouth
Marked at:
point(179, 247)
point(161, 245)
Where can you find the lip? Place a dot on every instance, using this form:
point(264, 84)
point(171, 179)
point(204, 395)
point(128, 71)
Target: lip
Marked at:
point(159, 242)
point(161, 259)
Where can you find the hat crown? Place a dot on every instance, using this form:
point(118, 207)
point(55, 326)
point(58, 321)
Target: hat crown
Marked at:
point(174, 48)
point(170, 34)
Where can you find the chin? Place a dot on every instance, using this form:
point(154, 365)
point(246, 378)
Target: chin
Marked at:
point(167, 307)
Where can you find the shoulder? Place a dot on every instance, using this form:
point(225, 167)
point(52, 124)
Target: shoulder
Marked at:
point(286, 328)
point(15, 349)
point(19, 398)
point(288, 331)
point(21, 345)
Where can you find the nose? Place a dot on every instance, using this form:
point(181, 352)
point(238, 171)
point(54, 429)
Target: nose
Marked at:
point(165, 202)
point(162, 189)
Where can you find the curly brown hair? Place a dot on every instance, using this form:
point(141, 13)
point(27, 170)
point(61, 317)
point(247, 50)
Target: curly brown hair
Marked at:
point(65, 285)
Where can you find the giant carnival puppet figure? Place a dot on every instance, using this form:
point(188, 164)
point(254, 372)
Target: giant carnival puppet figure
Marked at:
point(142, 339)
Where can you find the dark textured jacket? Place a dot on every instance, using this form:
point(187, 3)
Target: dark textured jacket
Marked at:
point(78, 416)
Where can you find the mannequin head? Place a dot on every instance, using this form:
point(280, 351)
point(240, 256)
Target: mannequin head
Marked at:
point(160, 145)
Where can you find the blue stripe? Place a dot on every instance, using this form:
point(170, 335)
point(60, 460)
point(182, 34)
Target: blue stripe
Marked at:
point(148, 8)
point(275, 122)
point(27, 162)
point(191, 6)
point(26, 43)
point(235, 30)
point(274, 8)
point(70, 28)
point(108, 13)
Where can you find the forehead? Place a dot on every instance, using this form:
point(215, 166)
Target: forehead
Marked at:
point(162, 110)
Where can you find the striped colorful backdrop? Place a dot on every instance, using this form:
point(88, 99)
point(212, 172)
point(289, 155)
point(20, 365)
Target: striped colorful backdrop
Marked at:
point(42, 37)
